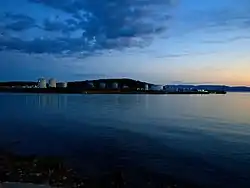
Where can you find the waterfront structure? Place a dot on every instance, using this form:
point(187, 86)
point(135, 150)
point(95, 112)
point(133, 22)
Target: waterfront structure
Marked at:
point(156, 87)
point(125, 87)
point(102, 85)
point(169, 88)
point(61, 85)
point(90, 85)
point(146, 87)
point(115, 85)
point(202, 90)
point(52, 83)
point(42, 83)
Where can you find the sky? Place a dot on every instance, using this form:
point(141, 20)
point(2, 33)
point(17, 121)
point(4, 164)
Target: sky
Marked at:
point(159, 41)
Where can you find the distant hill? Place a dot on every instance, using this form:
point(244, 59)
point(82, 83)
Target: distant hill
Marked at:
point(122, 82)
point(238, 89)
point(86, 83)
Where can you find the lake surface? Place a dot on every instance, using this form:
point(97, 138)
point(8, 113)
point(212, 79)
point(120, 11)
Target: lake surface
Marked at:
point(204, 140)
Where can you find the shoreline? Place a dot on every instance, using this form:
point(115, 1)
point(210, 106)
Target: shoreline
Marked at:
point(38, 170)
point(77, 91)
point(49, 171)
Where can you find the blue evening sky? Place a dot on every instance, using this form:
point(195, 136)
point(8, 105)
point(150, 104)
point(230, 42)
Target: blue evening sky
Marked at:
point(160, 41)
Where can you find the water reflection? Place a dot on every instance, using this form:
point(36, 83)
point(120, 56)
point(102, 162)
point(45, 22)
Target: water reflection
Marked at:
point(41, 101)
point(132, 100)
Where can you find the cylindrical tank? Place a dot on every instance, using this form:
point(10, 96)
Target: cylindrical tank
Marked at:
point(170, 88)
point(125, 87)
point(156, 87)
point(146, 87)
point(41, 83)
point(90, 85)
point(102, 85)
point(115, 85)
point(61, 85)
point(52, 82)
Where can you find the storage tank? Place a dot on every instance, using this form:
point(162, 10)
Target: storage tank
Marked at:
point(146, 87)
point(156, 87)
point(61, 85)
point(125, 87)
point(41, 83)
point(90, 85)
point(115, 85)
point(102, 85)
point(170, 88)
point(52, 82)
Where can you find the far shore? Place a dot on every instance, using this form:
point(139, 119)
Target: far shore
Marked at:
point(98, 91)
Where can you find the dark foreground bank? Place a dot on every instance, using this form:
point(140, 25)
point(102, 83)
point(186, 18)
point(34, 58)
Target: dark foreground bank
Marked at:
point(52, 171)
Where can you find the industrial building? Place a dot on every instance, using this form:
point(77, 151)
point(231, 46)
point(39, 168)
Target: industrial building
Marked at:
point(102, 85)
point(125, 87)
point(170, 88)
point(146, 87)
point(90, 85)
point(52, 83)
point(61, 85)
point(42, 83)
point(115, 85)
point(156, 87)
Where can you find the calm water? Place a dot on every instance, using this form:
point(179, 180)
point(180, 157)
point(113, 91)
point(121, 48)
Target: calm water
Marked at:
point(200, 139)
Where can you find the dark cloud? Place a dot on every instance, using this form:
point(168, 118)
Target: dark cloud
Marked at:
point(71, 22)
point(53, 25)
point(13, 16)
point(65, 27)
point(64, 45)
point(18, 22)
point(19, 25)
point(105, 24)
